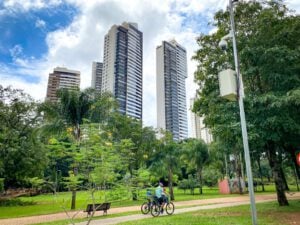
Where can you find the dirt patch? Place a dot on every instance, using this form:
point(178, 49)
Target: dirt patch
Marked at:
point(213, 214)
point(288, 218)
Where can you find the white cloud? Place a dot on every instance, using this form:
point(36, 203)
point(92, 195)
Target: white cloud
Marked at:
point(39, 23)
point(26, 5)
point(16, 51)
point(294, 5)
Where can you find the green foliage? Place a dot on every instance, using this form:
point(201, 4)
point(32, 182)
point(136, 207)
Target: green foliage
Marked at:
point(196, 157)
point(188, 184)
point(36, 182)
point(20, 146)
point(268, 42)
point(100, 161)
point(211, 176)
point(65, 118)
point(72, 181)
point(144, 178)
point(15, 202)
point(165, 160)
point(270, 68)
point(141, 140)
point(1, 185)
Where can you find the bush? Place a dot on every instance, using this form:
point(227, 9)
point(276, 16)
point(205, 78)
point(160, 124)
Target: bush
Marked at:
point(1, 185)
point(190, 183)
point(211, 176)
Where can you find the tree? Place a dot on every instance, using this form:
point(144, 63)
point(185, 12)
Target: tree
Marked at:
point(69, 113)
point(267, 37)
point(165, 160)
point(22, 154)
point(60, 153)
point(196, 154)
point(143, 139)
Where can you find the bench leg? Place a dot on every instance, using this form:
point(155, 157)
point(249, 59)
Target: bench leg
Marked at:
point(104, 212)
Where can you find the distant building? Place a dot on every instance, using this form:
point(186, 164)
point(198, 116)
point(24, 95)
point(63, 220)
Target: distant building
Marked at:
point(97, 69)
point(123, 68)
point(171, 72)
point(199, 130)
point(61, 78)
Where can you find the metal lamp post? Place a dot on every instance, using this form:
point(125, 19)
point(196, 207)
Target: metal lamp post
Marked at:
point(242, 116)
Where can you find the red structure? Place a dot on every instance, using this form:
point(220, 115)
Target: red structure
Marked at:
point(298, 158)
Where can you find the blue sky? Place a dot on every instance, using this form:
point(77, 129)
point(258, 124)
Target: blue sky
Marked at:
point(24, 33)
point(26, 29)
point(38, 35)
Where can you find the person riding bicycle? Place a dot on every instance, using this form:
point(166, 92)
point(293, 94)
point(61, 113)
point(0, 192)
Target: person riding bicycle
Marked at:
point(160, 196)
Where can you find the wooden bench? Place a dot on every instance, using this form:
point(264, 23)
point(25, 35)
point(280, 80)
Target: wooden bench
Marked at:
point(98, 207)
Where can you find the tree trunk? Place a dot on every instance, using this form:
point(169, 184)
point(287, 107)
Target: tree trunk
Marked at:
point(279, 183)
point(75, 169)
point(200, 181)
point(260, 174)
point(286, 186)
point(170, 176)
point(73, 202)
point(239, 173)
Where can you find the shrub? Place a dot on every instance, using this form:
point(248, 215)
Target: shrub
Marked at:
point(15, 202)
point(1, 185)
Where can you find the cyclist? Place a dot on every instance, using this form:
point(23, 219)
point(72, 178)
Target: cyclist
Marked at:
point(159, 195)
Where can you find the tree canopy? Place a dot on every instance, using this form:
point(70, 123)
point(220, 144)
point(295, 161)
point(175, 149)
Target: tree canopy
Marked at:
point(20, 146)
point(268, 44)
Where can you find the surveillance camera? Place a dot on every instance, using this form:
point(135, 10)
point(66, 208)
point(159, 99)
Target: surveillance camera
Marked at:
point(223, 44)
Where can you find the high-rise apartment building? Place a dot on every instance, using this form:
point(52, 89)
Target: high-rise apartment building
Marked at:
point(97, 69)
point(171, 72)
point(199, 130)
point(123, 67)
point(61, 78)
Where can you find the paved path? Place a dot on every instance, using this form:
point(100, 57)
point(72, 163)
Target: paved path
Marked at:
point(192, 205)
point(232, 202)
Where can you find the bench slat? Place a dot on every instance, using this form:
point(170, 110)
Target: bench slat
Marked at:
point(98, 207)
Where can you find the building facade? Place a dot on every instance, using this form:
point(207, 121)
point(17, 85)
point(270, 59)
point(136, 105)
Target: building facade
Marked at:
point(97, 68)
point(61, 78)
point(123, 68)
point(199, 130)
point(171, 72)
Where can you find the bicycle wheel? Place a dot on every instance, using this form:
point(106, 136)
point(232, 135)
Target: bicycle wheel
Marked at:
point(145, 208)
point(155, 210)
point(170, 208)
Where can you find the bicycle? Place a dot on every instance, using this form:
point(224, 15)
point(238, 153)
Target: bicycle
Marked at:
point(146, 206)
point(157, 208)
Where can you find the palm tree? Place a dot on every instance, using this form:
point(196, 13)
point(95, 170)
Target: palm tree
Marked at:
point(165, 161)
point(72, 108)
point(196, 153)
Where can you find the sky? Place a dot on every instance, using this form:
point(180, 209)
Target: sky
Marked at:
point(38, 35)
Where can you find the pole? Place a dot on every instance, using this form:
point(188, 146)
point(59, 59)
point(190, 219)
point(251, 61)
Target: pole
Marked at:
point(243, 119)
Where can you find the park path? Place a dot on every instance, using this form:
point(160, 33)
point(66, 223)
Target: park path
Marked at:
point(184, 206)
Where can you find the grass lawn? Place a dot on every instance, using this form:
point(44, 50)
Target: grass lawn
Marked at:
point(67, 222)
point(268, 214)
point(49, 203)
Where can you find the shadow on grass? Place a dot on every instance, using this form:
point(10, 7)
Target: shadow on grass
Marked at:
point(15, 202)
